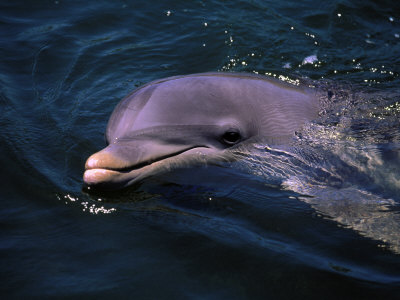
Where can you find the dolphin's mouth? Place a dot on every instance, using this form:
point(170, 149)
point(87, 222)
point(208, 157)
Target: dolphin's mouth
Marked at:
point(104, 170)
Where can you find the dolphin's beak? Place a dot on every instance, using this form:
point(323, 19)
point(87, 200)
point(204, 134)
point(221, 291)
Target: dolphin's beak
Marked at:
point(100, 168)
point(122, 164)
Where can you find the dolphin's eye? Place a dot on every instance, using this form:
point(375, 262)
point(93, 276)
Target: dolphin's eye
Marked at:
point(231, 137)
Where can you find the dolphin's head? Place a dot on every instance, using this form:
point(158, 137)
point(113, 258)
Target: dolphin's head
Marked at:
point(176, 122)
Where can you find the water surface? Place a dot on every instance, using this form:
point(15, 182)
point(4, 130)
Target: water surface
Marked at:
point(317, 220)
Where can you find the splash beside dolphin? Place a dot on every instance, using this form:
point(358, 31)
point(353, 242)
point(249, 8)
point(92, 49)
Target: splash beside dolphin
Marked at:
point(179, 120)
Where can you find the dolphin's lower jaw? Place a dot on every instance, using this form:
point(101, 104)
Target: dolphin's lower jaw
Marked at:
point(105, 179)
point(108, 178)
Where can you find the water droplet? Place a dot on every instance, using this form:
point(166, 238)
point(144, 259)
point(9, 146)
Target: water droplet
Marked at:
point(310, 59)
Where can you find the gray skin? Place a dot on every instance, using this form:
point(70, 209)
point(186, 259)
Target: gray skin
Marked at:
point(183, 120)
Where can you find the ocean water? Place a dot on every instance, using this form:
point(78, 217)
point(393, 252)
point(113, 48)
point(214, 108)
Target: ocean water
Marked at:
point(318, 220)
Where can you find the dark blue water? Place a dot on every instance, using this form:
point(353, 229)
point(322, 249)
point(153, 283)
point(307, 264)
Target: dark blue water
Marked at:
point(319, 222)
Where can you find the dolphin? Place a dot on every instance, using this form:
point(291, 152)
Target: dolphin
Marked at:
point(178, 121)
point(201, 118)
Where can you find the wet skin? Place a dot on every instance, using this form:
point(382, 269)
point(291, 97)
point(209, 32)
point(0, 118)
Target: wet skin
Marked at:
point(186, 120)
